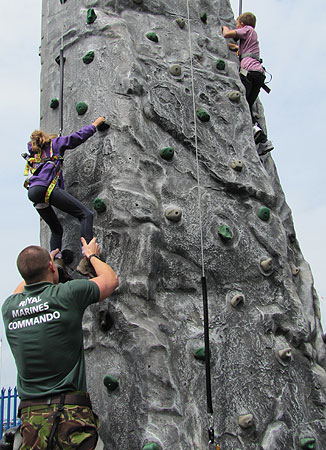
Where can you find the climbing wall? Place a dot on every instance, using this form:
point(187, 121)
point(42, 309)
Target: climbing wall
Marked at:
point(130, 61)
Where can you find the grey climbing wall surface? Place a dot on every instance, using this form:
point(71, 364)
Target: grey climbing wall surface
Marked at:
point(139, 176)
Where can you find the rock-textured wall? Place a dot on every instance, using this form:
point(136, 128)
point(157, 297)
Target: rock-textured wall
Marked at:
point(267, 352)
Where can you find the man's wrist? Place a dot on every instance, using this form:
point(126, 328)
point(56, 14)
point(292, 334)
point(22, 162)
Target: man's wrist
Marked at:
point(93, 255)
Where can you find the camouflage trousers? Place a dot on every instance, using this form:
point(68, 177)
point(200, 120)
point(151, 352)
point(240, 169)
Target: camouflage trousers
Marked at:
point(77, 428)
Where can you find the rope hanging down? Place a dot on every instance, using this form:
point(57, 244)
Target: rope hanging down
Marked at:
point(61, 62)
point(203, 278)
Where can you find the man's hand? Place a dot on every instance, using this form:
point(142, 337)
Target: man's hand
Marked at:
point(233, 47)
point(98, 121)
point(91, 248)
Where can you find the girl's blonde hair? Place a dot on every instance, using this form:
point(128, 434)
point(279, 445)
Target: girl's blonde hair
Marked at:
point(248, 18)
point(39, 139)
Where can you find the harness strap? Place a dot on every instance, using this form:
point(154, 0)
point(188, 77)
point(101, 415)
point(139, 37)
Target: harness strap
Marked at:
point(250, 55)
point(56, 420)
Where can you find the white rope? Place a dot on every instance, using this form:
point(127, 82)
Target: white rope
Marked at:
point(196, 144)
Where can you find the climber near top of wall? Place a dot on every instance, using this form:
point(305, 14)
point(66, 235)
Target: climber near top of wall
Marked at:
point(45, 187)
point(43, 323)
point(252, 73)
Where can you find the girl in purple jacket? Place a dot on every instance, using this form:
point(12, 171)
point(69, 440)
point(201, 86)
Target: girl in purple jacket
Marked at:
point(45, 186)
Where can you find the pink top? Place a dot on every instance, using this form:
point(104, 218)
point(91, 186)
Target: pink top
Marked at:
point(249, 44)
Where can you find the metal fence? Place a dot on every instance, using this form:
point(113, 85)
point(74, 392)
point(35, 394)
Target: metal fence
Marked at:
point(8, 409)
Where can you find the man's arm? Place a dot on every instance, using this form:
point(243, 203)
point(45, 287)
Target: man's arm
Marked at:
point(106, 278)
point(227, 33)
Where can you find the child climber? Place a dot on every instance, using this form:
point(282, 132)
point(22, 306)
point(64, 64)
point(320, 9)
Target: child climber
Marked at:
point(45, 185)
point(252, 73)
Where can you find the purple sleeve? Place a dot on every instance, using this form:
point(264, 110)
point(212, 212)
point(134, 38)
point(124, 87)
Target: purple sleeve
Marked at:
point(242, 32)
point(60, 144)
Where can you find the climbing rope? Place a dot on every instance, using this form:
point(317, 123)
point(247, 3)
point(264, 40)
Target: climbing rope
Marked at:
point(240, 7)
point(203, 278)
point(61, 62)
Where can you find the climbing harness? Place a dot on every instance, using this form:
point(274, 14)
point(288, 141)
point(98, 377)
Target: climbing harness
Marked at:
point(203, 278)
point(37, 160)
point(56, 420)
point(244, 72)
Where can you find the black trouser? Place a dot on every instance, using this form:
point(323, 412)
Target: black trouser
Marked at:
point(252, 82)
point(66, 203)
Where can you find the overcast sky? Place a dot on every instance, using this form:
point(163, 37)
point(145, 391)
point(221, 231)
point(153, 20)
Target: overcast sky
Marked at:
point(291, 35)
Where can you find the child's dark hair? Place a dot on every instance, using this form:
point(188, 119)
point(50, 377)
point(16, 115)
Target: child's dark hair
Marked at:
point(248, 18)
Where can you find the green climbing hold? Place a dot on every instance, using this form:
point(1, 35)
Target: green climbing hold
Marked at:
point(167, 153)
point(110, 382)
point(203, 115)
point(88, 58)
point(91, 15)
point(54, 103)
point(307, 443)
point(181, 22)
point(81, 108)
point(203, 17)
point(152, 36)
point(220, 64)
point(62, 1)
point(199, 353)
point(151, 446)
point(99, 205)
point(225, 232)
point(264, 213)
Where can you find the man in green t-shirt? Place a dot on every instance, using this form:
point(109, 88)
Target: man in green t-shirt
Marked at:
point(43, 322)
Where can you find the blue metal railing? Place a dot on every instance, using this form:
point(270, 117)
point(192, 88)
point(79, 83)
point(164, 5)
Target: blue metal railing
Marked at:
point(8, 409)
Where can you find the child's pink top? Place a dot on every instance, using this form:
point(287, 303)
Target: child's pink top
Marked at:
point(249, 44)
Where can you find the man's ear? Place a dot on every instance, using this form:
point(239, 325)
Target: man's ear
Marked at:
point(52, 266)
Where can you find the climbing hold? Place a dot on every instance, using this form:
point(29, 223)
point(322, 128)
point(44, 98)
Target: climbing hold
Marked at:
point(225, 232)
point(181, 22)
point(62, 1)
point(138, 2)
point(220, 64)
point(110, 382)
point(266, 265)
point(152, 36)
point(54, 103)
point(103, 126)
point(295, 271)
point(237, 165)
point(173, 214)
point(151, 446)
point(203, 17)
point(167, 153)
point(246, 421)
point(285, 353)
point(307, 443)
point(175, 70)
point(236, 300)
point(234, 96)
point(199, 353)
point(81, 108)
point(203, 115)
point(105, 320)
point(91, 15)
point(88, 58)
point(264, 213)
point(67, 256)
point(99, 205)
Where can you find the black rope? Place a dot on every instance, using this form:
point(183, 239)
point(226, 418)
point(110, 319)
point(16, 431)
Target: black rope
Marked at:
point(207, 351)
point(240, 7)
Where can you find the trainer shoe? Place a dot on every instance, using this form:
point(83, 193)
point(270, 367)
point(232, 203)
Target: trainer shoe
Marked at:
point(64, 275)
point(85, 268)
point(264, 147)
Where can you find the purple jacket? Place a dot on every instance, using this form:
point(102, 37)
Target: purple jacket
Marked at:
point(59, 146)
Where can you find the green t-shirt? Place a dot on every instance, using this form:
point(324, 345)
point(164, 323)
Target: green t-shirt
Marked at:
point(44, 330)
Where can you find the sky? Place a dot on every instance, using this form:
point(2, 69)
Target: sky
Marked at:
point(291, 35)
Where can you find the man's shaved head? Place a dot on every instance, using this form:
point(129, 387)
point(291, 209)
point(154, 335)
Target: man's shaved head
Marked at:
point(33, 263)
